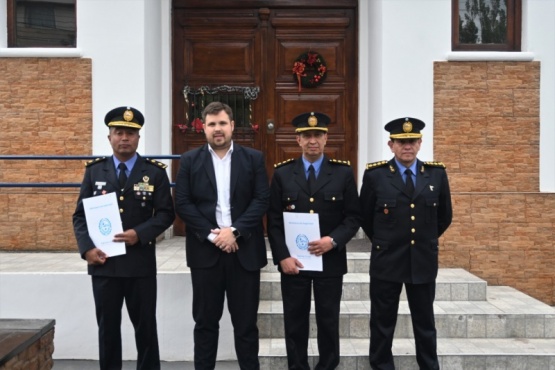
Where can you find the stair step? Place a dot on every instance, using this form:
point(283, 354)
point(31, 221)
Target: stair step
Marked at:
point(508, 314)
point(451, 285)
point(469, 353)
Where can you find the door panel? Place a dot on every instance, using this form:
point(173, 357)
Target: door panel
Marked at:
point(254, 43)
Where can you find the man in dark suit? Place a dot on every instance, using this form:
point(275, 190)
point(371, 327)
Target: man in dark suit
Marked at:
point(407, 207)
point(146, 209)
point(313, 183)
point(222, 195)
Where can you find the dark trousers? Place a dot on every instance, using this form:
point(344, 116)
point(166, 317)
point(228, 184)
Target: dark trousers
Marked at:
point(296, 293)
point(384, 298)
point(242, 289)
point(140, 298)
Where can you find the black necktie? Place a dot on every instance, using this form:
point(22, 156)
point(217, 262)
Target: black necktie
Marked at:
point(122, 176)
point(311, 179)
point(409, 185)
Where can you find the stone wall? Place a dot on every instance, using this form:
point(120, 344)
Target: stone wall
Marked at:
point(26, 344)
point(45, 109)
point(486, 130)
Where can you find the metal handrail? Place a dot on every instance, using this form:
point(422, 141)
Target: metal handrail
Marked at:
point(62, 157)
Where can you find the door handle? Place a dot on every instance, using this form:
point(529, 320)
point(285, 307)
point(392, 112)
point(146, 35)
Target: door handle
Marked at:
point(270, 126)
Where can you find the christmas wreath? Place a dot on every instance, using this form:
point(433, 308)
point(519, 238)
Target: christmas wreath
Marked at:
point(309, 69)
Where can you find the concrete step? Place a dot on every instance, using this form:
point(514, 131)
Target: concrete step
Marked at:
point(467, 354)
point(507, 314)
point(451, 285)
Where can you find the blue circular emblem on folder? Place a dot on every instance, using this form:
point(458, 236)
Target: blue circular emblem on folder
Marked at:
point(302, 242)
point(105, 226)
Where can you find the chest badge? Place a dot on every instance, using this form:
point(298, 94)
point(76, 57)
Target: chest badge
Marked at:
point(143, 186)
point(431, 188)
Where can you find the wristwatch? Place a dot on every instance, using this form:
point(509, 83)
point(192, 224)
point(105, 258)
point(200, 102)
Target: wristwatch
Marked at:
point(235, 232)
point(333, 243)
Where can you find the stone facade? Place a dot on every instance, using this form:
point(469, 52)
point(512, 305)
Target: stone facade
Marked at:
point(27, 344)
point(486, 130)
point(46, 109)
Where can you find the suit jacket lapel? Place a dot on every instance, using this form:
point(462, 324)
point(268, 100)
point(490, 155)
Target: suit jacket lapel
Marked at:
point(300, 176)
point(396, 177)
point(111, 175)
point(235, 168)
point(136, 174)
point(422, 179)
point(324, 176)
point(206, 158)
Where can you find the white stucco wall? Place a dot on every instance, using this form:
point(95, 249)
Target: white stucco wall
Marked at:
point(398, 43)
point(68, 299)
point(539, 38)
point(127, 64)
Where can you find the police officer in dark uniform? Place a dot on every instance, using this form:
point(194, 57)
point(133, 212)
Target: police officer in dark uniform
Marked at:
point(146, 208)
point(406, 208)
point(313, 183)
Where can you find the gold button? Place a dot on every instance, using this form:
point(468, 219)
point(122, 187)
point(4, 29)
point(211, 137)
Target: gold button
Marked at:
point(377, 247)
point(412, 218)
point(288, 199)
point(311, 211)
point(435, 204)
point(413, 230)
point(311, 200)
point(121, 210)
point(385, 205)
point(144, 198)
point(333, 198)
point(121, 198)
point(412, 205)
point(412, 242)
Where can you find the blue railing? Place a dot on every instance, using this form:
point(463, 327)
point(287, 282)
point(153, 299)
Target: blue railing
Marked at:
point(62, 157)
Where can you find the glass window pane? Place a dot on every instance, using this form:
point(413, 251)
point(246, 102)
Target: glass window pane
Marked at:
point(43, 24)
point(482, 21)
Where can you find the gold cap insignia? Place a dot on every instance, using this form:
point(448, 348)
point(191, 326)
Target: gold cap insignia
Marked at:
point(128, 115)
point(407, 126)
point(312, 120)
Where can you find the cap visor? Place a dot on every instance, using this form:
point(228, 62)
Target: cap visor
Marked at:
point(124, 124)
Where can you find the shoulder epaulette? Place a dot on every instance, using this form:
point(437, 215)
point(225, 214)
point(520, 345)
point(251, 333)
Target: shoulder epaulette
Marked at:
point(338, 161)
point(156, 163)
point(93, 161)
point(287, 161)
point(371, 166)
point(434, 164)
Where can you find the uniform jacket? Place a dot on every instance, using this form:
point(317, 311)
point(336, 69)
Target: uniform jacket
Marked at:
point(335, 200)
point(196, 198)
point(404, 231)
point(149, 212)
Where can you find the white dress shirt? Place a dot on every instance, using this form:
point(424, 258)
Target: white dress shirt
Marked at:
point(222, 170)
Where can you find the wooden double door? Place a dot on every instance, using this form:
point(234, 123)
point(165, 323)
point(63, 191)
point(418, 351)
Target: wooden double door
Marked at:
point(230, 45)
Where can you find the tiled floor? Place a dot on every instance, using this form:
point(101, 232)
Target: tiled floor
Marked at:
point(170, 256)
